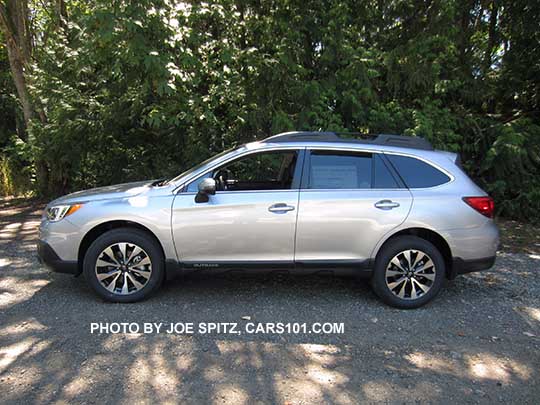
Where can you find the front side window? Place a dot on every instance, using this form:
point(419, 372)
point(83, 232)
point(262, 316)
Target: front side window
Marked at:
point(339, 170)
point(417, 173)
point(259, 171)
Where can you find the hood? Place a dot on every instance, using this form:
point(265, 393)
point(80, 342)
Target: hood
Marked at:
point(125, 190)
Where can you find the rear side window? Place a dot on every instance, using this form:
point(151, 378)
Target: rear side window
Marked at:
point(339, 170)
point(382, 178)
point(416, 173)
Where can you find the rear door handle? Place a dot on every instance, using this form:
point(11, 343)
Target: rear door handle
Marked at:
point(280, 207)
point(386, 204)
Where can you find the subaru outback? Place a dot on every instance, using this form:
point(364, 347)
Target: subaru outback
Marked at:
point(389, 208)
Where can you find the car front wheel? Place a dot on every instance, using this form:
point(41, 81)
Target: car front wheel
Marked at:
point(409, 272)
point(124, 265)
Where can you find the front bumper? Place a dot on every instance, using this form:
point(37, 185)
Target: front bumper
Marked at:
point(49, 258)
point(460, 266)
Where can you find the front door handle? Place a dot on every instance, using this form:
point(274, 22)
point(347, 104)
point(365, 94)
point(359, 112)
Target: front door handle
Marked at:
point(280, 207)
point(386, 204)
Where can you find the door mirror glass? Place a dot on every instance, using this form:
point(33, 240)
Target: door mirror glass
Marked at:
point(207, 187)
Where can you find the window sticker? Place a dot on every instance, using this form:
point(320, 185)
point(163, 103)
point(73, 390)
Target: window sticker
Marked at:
point(338, 176)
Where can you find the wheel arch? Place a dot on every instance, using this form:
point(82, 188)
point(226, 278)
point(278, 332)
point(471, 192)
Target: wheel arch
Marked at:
point(427, 234)
point(100, 229)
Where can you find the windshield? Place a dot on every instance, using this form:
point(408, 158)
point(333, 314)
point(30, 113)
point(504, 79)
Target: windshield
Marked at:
point(200, 165)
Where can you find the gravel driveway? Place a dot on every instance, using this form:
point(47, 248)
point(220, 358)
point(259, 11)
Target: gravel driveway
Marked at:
point(478, 341)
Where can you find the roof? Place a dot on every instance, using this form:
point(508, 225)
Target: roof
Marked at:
point(401, 141)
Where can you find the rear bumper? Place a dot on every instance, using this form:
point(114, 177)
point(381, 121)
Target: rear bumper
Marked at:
point(49, 258)
point(460, 266)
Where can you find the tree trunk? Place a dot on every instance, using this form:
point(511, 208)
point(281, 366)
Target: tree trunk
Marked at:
point(492, 37)
point(14, 22)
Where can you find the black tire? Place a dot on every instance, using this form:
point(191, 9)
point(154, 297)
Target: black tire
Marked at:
point(131, 236)
point(388, 252)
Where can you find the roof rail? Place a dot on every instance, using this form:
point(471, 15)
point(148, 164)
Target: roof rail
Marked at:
point(401, 141)
point(298, 136)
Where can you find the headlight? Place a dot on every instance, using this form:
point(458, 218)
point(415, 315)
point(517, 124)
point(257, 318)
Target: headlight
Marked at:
point(57, 212)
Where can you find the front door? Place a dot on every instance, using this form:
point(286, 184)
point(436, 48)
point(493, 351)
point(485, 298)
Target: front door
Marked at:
point(251, 218)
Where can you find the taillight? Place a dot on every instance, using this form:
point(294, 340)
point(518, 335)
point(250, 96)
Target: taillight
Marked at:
point(484, 205)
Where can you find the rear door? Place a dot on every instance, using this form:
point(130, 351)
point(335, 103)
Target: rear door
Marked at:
point(348, 201)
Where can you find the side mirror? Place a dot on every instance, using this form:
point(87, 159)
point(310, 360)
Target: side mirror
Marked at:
point(206, 187)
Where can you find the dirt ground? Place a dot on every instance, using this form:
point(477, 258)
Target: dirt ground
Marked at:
point(478, 342)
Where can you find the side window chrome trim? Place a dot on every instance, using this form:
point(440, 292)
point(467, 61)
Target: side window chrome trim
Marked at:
point(348, 190)
point(296, 190)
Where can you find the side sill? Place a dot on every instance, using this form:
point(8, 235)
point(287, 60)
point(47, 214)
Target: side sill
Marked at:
point(359, 268)
point(173, 269)
point(236, 267)
point(356, 268)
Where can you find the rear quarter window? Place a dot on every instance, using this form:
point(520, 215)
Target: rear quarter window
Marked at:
point(417, 173)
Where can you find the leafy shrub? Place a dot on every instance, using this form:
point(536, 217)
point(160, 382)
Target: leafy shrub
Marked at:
point(135, 90)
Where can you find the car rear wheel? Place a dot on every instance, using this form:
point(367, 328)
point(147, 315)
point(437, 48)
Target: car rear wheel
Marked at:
point(124, 265)
point(409, 272)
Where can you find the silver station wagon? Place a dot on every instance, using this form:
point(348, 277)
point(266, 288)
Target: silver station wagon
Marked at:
point(389, 208)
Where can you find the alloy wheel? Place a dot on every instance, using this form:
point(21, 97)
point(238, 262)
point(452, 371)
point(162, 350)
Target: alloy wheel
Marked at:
point(123, 268)
point(410, 274)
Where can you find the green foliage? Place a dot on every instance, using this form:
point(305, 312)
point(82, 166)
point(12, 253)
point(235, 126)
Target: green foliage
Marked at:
point(511, 170)
point(145, 89)
point(16, 171)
